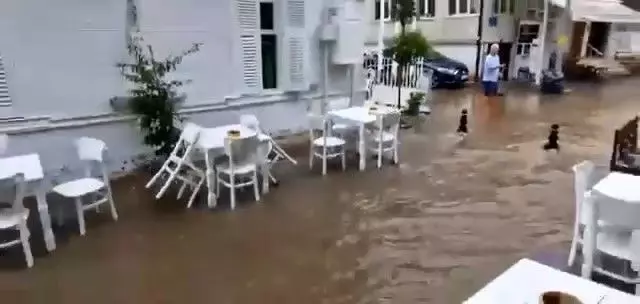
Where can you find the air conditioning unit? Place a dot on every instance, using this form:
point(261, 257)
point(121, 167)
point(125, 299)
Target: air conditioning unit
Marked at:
point(345, 28)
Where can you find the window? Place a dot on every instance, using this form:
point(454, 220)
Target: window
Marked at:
point(463, 7)
point(426, 8)
point(268, 42)
point(504, 6)
point(387, 11)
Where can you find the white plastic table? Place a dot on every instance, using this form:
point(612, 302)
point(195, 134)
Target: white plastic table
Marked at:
point(525, 281)
point(359, 116)
point(211, 141)
point(620, 186)
point(30, 166)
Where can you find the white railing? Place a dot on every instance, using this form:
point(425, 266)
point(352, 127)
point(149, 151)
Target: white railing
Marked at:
point(387, 75)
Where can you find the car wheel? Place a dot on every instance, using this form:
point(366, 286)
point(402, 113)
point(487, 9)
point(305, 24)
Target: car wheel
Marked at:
point(435, 82)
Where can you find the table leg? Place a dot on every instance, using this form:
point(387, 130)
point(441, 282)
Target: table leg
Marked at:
point(211, 185)
point(265, 177)
point(45, 219)
point(361, 148)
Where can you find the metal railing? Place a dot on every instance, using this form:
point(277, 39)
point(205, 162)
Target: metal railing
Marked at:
point(387, 74)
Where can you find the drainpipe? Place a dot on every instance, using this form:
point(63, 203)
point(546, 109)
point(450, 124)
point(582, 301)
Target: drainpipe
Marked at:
point(479, 41)
point(380, 40)
point(542, 40)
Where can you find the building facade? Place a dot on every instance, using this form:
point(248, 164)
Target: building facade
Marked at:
point(58, 67)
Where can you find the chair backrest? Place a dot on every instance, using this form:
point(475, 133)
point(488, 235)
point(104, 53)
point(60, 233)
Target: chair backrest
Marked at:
point(15, 185)
point(188, 137)
point(250, 121)
point(337, 103)
point(581, 183)
point(90, 149)
point(389, 121)
point(4, 143)
point(242, 150)
point(317, 123)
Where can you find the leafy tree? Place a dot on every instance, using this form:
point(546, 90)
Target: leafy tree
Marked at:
point(153, 96)
point(407, 46)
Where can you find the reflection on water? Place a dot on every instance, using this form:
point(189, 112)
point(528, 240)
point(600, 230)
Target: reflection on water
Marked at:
point(431, 230)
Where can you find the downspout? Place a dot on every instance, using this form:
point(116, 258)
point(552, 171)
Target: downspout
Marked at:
point(380, 41)
point(542, 41)
point(476, 77)
point(325, 77)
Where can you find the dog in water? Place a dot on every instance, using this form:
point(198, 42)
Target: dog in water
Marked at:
point(553, 138)
point(463, 130)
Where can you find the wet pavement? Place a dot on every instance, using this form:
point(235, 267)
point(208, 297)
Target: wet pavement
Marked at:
point(431, 230)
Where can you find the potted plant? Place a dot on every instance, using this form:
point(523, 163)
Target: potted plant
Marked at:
point(153, 97)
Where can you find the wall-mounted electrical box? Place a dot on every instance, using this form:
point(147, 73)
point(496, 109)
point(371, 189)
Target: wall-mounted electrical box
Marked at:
point(345, 27)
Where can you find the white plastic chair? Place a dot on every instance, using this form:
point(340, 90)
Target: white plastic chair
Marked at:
point(4, 143)
point(91, 151)
point(585, 176)
point(384, 138)
point(241, 168)
point(179, 165)
point(15, 217)
point(269, 154)
point(340, 129)
point(623, 243)
point(329, 146)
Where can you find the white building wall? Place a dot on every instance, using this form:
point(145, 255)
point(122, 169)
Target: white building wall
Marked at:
point(60, 65)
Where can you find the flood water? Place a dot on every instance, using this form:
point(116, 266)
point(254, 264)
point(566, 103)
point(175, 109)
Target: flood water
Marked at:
point(432, 230)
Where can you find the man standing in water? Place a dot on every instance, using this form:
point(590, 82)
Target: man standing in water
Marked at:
point(491, 71)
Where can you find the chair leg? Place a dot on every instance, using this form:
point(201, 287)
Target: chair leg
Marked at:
point(112, 205)
point(574, 245)
point(637, 289)
point(196, 189)
point(395, 152)
point(256, 188)
point(182, 189)
point(232, 190)
point(154, 178)
point(344, 159)
point(80, 214)
point(26, 246)
point(324, 166)
point(311, 156)
point(380, 155)
point(166, 185)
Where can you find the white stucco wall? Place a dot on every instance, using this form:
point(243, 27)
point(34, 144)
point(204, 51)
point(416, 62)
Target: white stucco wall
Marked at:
point(60, 65)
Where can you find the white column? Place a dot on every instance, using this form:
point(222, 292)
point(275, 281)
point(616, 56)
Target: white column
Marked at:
point(585, 39)
point(380, 39)
point(543, 40)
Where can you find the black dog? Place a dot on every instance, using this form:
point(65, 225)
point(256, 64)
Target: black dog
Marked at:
point(462, 126)
point(552, 140)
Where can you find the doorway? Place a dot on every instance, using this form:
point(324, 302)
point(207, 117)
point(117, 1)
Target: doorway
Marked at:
point(599, 35)
point(505, 56)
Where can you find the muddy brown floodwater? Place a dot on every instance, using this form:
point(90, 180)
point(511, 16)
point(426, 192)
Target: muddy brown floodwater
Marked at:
point(431, 230)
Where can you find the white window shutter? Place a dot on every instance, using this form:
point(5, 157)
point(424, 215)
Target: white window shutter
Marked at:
point(5, 99)
point(248, 23)
point(295, 46)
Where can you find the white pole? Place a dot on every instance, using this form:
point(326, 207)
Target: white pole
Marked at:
point(380, 40)
point(325, 77)
point(542, 41)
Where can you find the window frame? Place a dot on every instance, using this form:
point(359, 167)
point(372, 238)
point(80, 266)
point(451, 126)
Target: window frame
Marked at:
point(427, 12)
point(387, 12)
point(508, 5)
point(271, 32)
point(470, 4)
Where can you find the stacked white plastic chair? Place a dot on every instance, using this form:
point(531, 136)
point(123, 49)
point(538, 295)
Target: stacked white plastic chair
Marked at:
point(180, 166)
point(384, 138)
point(585, 175)
point(91, 151)
point(241, 168)
point(15, 216)
point(324, 146)
point(622, 243)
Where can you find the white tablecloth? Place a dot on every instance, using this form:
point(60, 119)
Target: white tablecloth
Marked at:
point(525, 281)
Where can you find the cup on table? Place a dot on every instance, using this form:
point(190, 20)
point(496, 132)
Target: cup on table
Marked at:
point(233, 134)
point(558, 297)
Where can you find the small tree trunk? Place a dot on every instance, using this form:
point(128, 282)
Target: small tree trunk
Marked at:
point(399, 83)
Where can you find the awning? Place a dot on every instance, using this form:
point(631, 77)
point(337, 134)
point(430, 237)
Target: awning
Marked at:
point(600, 11)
